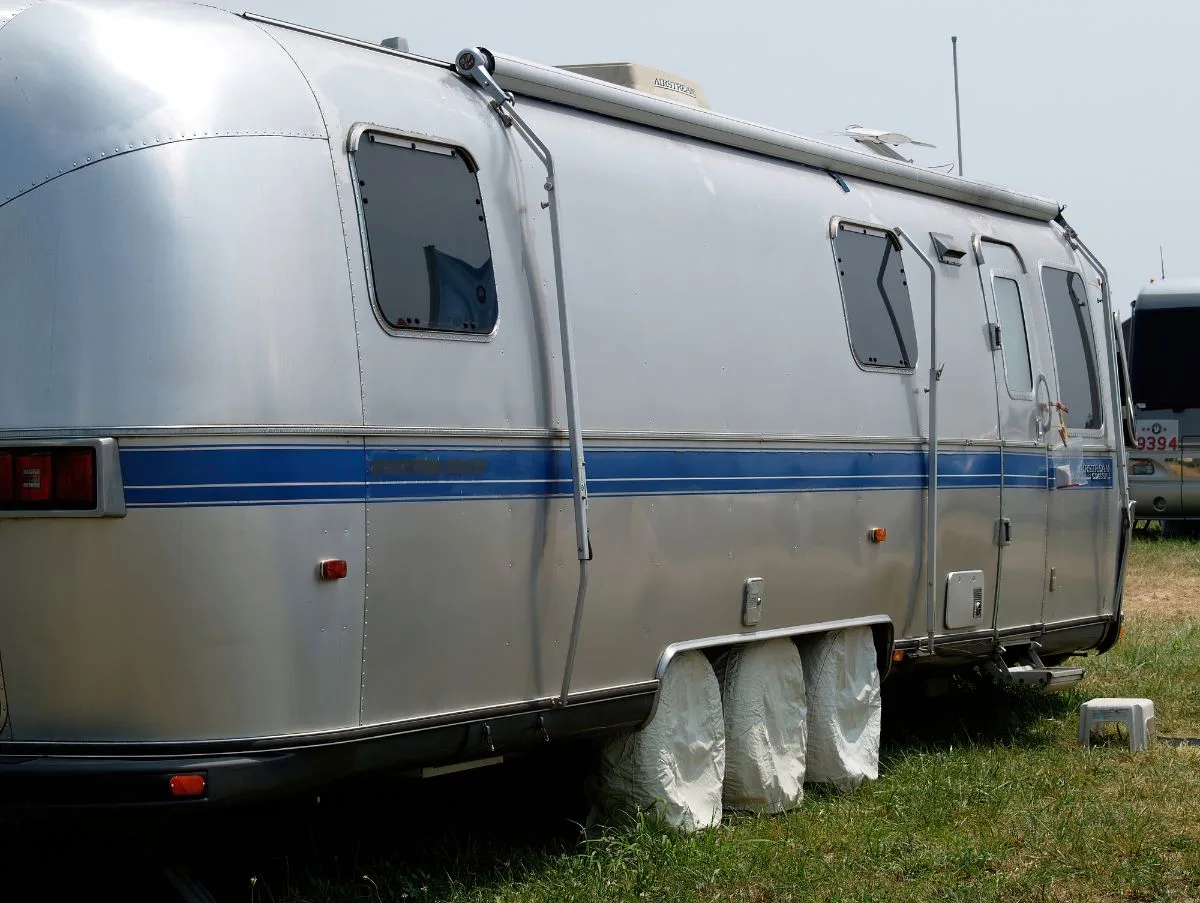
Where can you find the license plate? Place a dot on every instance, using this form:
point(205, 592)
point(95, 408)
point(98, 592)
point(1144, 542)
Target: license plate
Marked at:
point(1158, 435)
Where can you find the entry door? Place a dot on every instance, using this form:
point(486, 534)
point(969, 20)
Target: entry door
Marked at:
point(1085, 509)
point(1021, 355)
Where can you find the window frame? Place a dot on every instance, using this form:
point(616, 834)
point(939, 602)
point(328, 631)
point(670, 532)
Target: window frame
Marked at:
point(835, 224)
point(1017, 279)
point(1095, 431)
point(357, 133)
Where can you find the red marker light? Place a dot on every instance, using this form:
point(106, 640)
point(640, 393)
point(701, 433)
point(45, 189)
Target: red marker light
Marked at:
point(187, 785)
point(334, 569)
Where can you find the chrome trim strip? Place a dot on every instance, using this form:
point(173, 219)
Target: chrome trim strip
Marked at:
point(1027, 631)
point(977, 240)
point(342, 39)
point(350, 431)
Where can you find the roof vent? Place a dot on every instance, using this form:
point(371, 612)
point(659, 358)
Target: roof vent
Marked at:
point(646, 79)
point(396, 44)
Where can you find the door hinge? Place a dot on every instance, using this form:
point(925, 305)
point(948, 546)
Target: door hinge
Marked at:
point(1005, 531)
point(994, 335)
point(1053, 579)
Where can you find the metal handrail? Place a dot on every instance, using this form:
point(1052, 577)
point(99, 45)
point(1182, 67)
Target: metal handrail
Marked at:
point(477, 65)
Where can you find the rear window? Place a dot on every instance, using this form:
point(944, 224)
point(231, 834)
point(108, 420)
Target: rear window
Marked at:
point(427, 241)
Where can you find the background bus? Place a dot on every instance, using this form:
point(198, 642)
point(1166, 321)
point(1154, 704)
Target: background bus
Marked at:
point(1164, 466)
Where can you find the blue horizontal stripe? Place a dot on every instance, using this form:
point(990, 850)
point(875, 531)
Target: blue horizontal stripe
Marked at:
point(161, 476)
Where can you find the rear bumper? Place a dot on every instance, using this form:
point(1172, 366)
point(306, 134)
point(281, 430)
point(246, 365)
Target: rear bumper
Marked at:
point(74, 782)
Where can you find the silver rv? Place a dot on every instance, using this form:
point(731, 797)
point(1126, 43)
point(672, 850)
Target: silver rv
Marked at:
point(362, 410)
point(1164, 464)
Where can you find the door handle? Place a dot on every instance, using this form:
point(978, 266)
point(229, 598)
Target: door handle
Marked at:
point(1044, 407)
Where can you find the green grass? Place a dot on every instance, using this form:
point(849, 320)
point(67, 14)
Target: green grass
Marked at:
point(983, 795)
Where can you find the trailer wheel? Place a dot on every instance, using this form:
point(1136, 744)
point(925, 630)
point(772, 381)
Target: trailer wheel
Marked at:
point(672, 769)
point(766, 726)
point(841, 677)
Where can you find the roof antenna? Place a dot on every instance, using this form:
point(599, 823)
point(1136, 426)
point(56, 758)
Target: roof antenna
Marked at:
point(1162, 266)
point(957, 111)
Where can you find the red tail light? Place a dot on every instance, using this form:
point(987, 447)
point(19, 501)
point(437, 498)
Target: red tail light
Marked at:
point(7, 489)
point(75, 477)
point(47, 479)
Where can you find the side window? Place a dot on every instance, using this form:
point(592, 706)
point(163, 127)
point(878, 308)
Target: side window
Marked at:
point(427, 241)
point(1074, 351)
point(875, 293)
point(1014, 340)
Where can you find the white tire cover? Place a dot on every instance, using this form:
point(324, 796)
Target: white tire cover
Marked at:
point(765, 727)
point(841, 677)
point(673, 768)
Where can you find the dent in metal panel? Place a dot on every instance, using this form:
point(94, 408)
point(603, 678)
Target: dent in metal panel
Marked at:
point(127, 75)
point(203, 282)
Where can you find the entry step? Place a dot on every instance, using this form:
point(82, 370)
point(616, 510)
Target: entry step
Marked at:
point(1049, 679)
point(1034, 674)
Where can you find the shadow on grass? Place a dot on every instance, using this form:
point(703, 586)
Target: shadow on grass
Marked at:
point(971, 713)
point(377, 839)
point(392, 838)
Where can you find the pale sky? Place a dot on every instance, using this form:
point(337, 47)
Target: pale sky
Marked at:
point(1088, 103)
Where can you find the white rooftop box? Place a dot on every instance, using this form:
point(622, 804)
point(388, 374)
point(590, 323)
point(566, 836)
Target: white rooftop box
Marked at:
point(644, 78)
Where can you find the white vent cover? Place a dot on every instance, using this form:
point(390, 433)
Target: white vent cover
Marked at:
point(646, 79)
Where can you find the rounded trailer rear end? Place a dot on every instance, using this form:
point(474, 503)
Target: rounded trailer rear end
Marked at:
point(173, 278)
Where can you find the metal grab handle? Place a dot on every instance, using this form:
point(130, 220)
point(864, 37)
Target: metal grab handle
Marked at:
point(1044, 407)
point(935, 375)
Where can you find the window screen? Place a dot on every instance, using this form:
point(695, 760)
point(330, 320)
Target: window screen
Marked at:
point(427, 240)
point(1013, 338)
point(1074, 351)
point(875, 292)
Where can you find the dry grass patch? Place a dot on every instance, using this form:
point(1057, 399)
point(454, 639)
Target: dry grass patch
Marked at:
point(1164, 577)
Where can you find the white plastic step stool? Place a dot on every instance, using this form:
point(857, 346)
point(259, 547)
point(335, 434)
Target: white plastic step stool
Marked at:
point(1136, 714)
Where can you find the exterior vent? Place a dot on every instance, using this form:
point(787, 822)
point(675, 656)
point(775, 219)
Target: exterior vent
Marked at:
point(643, 78)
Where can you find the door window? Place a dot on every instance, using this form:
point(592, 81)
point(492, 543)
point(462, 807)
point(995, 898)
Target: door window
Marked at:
point(1014, 340)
